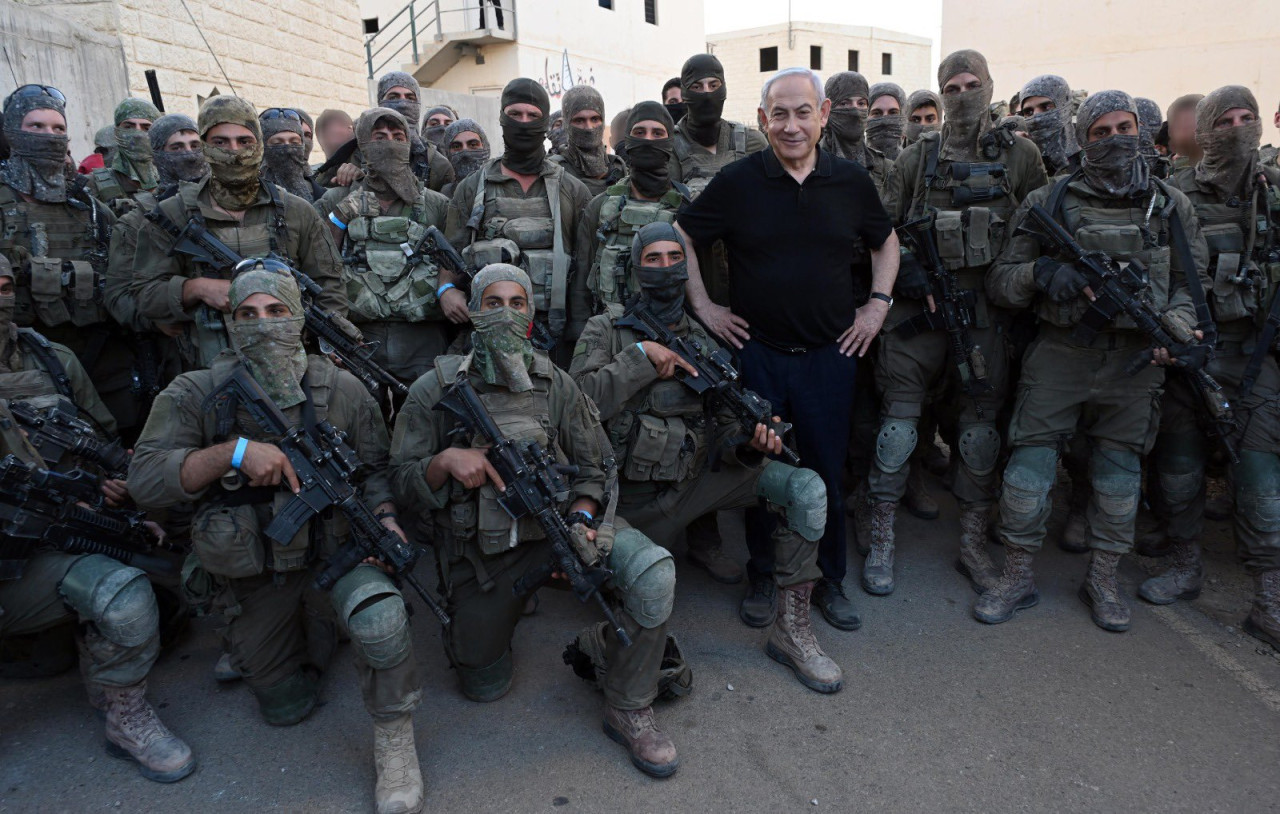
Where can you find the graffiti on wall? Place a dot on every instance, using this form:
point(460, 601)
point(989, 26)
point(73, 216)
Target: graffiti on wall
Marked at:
point(557, 83)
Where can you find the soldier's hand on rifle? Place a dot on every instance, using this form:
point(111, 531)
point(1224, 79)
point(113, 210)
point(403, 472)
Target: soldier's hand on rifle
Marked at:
point(665, 360)
point(267, 465)
point(115, 491)
point(1062, 282)
point(469, 467)
point(213, 293)
point(347, 174)
point(766, 440)
point(1192, 357)
point(454, 305)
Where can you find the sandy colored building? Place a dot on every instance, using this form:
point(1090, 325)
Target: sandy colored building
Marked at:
point(751, 55)
point(1160, 51)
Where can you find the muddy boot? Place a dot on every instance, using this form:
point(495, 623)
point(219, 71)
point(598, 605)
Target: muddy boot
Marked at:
point(134, 732)
point(1263, 621)
point(877, 571)
point(652, 752)
point(395, 758)
point(1101, 593)
point(1015, 590)
point(1075, 533)
point(917, 499)
point(1182, 580)
point(224, 672)
point(791, 642)
point(974, 562)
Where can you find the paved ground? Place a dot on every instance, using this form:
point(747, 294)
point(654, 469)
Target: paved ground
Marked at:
point(938, 713)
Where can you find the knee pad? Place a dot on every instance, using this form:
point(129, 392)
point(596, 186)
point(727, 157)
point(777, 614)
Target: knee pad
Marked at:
point(979, 446)
point(1257, 487)
point(374, 615)
point(488, 683)
point(645, 574)
point(800, 493)
point(117, 598)
point(1116, 475)
point(1179, 467)
point(895, 442)
point(1027, 481)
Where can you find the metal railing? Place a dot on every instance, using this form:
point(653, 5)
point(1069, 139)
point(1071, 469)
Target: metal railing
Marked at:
point(419, 18)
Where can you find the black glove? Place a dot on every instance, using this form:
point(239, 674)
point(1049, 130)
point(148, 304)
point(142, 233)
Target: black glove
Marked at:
point(913, 280)
point(1191, 357)
point(1063, 282)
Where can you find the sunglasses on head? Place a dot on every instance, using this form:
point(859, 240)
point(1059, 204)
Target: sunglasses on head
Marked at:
point(36, 90)
point(280, 113)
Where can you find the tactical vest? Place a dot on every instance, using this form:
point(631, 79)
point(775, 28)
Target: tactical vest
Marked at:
point(661, 434)
point(120, 201)
point(61, 259)
point(529, 233)
point(381, 285)
point(611, 278)
point(42, 384)
point(698, 167)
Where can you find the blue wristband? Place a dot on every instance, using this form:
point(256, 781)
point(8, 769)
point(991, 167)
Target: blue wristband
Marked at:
point(590, 516)
point(440, 291)
point(237, 457)
point(640, 345)
point(333, 218)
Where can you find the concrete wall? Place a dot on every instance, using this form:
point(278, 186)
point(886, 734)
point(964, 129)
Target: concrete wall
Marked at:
point(484, 109)
point(85, 65)
point(739, 52)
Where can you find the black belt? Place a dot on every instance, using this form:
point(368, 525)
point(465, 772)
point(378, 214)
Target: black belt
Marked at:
point(794, 350)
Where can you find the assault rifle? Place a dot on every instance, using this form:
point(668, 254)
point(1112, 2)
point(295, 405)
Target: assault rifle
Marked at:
point(536, 487)
point(69, 513)
point(953, 314)
point(717, 378)
point(58, 430)
point(334, 333)
point(327, 469)
point(433, 246)
point(1122, 289)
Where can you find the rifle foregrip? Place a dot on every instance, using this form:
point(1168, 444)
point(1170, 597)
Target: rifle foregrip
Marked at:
point(347, 558)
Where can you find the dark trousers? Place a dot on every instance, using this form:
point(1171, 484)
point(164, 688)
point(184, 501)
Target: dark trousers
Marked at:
point(813, 391)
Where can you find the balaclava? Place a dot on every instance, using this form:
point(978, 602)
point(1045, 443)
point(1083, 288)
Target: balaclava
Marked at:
point(706, 110)
point(649, 160)
point(308, 141)
point(524, 142)
point(675, 110)
point(285, 165)
point(618, 131)
point(411, 109)
point(435, 133)
point(133, 156)
point(188, 165)
point(884, 133)
point(1150, 117)
point(466, 162)
point(966, 115)
point(661, 287)
point(846, 126)
point(556, 135)
point(1112, 166)
point(270, 348)
point(386, 163)
point(37, 161)
point(1052, 131)
point(1230, 157)
point(584, 149)
point(501, 346)
point(916, 100)
point(234, 181)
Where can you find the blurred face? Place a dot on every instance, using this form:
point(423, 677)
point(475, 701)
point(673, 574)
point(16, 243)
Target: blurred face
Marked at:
point(385, 132)
point(1036, 104)
point(884, 106)
point(1115, 123)
point(1182, 132)
point(925, 114)
point(233, 137)
point(136, 124)
point(287, 137)
point(661, 254)
point(399, 92)
point(1234, 117)
point(505, 294)
point(46, 121)
point(674, 95)
point(439, 120)
point(860, 102)
point(794, 118)
point(183, 141)
point(649, 130)
point(261, 306)
point(960, 83)
point(708, 85)
point(523, 112)
point(466, 140)
point(587, 120)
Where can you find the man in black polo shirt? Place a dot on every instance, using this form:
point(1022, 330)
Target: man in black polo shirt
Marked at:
point(795, 219)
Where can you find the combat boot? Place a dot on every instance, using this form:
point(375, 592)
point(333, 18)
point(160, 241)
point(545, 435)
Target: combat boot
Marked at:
point(792, 643)
point(917, 499)
point(760, 606)
point(1101, 593)
point(395, 759)
point(974, 562)
point(652, 752)
point(135, 732)
point(1263, 621)
point(1015, 590)
point(877, 571)
point(1075, 533)
point(1182, 580)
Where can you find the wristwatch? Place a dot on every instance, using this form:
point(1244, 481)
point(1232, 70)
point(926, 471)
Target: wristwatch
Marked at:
point(885, 298)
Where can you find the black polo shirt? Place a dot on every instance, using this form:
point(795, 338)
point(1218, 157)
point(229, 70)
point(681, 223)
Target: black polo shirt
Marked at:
point(795, 272)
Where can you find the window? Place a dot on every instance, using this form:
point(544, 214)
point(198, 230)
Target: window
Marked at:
point(606, 4)
point(886, 64)
point(815, 57)
point(769, 59)
point(651, 12)
point(371, 25)
point(853, 60)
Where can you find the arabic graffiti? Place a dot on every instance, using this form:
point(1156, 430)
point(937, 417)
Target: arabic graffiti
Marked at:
point(556, 84)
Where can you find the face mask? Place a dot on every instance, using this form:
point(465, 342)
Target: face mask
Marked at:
point(388, 168)
point(286, 165)
point(37, 165)
point(523, 142)
point(466, 162)
point(705, 112)
point(884, 133)
point(133, 157)
point(917, 129)
point(408, 108)
point(968, 116)
point(1230, 156)
point(234, 183)
point(1113, 166)
point(187, 165)
point(844, 132)
point(677, 110)
point(271, 350)
point(501, 347)
point(435, 134)
point(662, 288)
point(1050, 131)
point(586, 150)
point(559, 140)
point(648, 161)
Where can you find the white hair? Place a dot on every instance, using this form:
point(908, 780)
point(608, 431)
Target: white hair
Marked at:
point(813, 78)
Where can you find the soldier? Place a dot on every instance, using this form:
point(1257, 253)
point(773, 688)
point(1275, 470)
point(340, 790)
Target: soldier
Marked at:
point(1149, 122)
point(468, 147)
point(284, 156)
point(1109, 206)
point(400, 92)
point(198, 449)
point(521, 208)
point(1181, 118)
point(886, 123)
point(482, 553)
point(673, 99)
point(845, 134)
point(104, 142)
point(1046, 106)
point(584, 155)
point(1228, 189)
point(924, 115)
point(132, 169)
point(968, 178)
point(251, 217)
point(392, 298)
point(666, 441)
point(435, 123)
point(334, 128)
point(556, 135)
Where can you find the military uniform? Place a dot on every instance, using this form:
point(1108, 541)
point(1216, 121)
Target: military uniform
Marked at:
point(40, 371)
point(595, 186)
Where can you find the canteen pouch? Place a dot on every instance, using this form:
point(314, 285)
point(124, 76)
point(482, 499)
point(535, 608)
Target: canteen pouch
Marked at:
point(227, 540)
point(1231, 271)
point(658, 450)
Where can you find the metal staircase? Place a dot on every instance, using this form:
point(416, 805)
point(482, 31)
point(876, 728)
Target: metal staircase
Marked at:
point(427, 38)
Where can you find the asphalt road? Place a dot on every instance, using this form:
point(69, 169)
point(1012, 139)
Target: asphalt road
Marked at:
point(938, 713)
